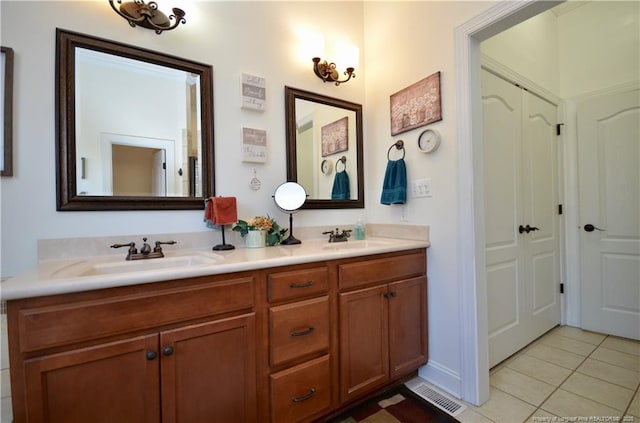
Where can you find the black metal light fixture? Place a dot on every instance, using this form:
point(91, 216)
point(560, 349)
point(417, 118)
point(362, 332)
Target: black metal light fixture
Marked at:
point(147, 15)
point(327, 71)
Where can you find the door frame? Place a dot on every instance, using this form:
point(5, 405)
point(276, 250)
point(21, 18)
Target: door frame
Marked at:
point(474, 369)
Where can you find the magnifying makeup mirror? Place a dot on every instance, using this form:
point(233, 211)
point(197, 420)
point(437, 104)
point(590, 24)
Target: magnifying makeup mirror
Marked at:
point(289, 197)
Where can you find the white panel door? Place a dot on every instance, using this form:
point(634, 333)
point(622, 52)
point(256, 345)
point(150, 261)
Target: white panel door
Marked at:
point(540, 191)
point(520, 180)
point(609, 159)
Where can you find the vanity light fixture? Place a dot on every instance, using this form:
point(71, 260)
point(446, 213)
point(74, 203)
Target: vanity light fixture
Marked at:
point(327, 71)
point(147, 15)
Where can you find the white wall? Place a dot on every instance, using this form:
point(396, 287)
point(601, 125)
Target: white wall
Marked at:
point(405, 42)
point(583, 50)
point(259, 38)
point(529, 49)
point(600, 46)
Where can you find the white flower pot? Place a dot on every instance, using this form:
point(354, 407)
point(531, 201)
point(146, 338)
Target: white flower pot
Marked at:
point(256, 239)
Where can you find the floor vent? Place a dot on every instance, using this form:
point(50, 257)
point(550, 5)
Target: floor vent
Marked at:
point(433, 396)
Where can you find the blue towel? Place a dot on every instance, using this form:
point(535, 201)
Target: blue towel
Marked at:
point(394, 187)
point(340, 190)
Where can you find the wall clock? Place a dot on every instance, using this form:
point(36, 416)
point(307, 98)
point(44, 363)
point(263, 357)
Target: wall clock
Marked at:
point(428, 141)
point(326, 166)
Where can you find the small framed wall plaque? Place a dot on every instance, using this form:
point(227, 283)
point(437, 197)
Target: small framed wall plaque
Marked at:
point(254, 145)
point(254, 92)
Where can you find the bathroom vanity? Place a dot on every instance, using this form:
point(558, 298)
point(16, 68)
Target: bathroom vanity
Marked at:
point(282, 334)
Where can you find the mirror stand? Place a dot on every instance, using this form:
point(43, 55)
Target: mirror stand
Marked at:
point(291, 240)
point(289, 197)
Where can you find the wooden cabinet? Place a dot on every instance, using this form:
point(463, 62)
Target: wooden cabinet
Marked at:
point(187, 354)
point(383, 326)
point(299, 339)
point(110, 382)
point(289, 344)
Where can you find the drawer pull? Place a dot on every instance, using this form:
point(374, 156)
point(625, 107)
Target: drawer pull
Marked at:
point(302, 332)
point(311, 393)
point(301, 285)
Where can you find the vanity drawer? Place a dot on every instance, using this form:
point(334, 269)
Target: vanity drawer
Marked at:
point(301, 391)
point(298, 283)
point(82, 320)
point(298, 329)
point(366, 272)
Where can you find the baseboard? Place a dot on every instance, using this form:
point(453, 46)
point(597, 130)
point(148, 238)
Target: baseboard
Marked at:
point(442, 377)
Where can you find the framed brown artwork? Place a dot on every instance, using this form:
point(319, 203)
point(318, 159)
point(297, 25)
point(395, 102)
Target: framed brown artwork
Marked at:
point(416, 105)
point(335, 137)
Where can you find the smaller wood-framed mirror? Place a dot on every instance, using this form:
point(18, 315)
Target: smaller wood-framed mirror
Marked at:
point(6, 143)
point(323, 129)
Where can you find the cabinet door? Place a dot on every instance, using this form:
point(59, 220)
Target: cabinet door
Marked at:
point(209, 372)
point(364, 349)
point(114, 382)
point(407, 325)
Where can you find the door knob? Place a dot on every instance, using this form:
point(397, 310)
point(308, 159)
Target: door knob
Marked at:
point(590, 228)
point(166, 351)
point(527, 229)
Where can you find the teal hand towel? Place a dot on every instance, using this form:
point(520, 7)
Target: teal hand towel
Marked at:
point(394, 187)
point(341, 190)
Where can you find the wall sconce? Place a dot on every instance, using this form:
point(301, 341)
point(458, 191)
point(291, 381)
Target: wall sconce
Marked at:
point(137, 12)
point(327, 71)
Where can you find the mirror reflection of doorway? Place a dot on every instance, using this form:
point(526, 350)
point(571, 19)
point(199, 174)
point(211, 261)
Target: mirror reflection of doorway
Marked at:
point(138, 171)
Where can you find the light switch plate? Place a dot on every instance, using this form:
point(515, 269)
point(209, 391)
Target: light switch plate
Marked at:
point(421, 188)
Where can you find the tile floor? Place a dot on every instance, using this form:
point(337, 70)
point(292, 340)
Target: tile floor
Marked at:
point(566, 375)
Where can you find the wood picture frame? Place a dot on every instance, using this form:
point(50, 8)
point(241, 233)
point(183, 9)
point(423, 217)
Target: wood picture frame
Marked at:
point(417, 105)
point(6, 150)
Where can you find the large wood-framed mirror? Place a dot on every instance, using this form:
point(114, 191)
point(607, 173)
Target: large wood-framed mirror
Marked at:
point(325, 149)
point(134, 127)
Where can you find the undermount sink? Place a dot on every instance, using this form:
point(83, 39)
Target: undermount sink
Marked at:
point(350, 245)
point(97, 267)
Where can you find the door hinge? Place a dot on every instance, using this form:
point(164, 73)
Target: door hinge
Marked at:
point(558, 126)
point(562, 288)
point(164, 166)
point(559, 208)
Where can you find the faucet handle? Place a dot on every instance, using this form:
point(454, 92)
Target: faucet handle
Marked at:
point(131, 245)
point(329, 232)
point(346, 232)
point(158, 248)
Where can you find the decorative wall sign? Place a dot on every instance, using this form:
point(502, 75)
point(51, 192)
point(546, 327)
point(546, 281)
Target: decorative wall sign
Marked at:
point(417, 105)
point(254, 92)
point(254, 145)
point(335, 137)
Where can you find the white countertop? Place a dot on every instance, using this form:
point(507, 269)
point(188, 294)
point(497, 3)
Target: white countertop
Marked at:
point(75, 275)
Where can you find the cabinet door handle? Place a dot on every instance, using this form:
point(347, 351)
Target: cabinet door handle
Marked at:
point(151, 355)
point(311, 393)
point(390, 294)
point(166, 351)
point(302, 332)
point(301, 285)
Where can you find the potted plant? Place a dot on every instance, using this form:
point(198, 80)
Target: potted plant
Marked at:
point(260, 231)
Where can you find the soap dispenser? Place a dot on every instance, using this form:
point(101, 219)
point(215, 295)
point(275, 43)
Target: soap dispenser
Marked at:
point(359, 231)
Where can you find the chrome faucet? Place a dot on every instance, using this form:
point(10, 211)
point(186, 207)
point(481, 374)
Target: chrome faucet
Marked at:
point(145, 251)
point(335, 236)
